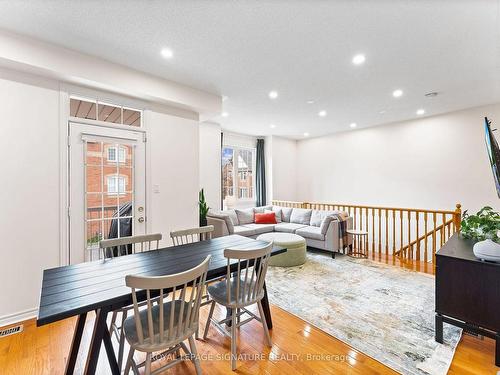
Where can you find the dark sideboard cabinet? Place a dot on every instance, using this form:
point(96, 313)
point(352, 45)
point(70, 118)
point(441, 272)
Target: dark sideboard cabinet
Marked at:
point(467, 291)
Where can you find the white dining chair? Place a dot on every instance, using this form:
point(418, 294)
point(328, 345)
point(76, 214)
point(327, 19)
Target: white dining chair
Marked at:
point(165, 326)
point(185, 236)
point(115, 247)
point(244, 286)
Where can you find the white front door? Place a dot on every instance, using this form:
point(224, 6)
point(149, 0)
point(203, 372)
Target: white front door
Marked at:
point(107, 185)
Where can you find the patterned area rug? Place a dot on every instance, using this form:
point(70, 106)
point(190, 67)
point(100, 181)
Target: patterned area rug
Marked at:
point(383, 311)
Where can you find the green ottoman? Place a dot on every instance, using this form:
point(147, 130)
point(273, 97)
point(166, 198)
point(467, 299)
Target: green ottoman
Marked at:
point(295, 245)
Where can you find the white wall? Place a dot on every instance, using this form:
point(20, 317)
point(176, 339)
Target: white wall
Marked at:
point(432, 162)
point(284, 169)
point(29, 177)
point(174, 168)
point(210, 163)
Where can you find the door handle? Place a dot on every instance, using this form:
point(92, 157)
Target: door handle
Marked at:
point(140, 220)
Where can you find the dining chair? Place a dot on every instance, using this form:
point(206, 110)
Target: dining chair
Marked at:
point(185, 236)
point(244, 286)
point(115, 247)
point(165, 326)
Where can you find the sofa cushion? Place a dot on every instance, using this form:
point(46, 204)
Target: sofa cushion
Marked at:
point(300, 216)
point(243, 230)
point(277, 213)
point(260, 228)
point(232, 215)
point(288, 227)
point(245, 216)
point(262, 209)
point(317, 217)
point(225, 217)
point(311, 232)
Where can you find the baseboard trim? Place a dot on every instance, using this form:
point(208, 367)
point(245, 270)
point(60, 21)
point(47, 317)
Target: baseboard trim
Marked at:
point(18, 317)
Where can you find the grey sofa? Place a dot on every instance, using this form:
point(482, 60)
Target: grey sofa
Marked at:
point(319, 228)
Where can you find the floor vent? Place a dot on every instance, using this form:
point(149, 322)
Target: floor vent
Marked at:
point(11, 331)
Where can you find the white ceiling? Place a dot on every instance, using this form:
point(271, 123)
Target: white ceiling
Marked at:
point(302, 49)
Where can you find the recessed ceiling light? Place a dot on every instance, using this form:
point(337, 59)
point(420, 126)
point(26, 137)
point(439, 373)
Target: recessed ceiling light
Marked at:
point(322, 113)
point(167, 53)
point(273, 94)
point(358, 59)
point(353, 125)
point(272, 126)
point(310, 102)
point(382, 112)
point(420, 111)
point(224, 114)
point(397, 93)
point(306, 134)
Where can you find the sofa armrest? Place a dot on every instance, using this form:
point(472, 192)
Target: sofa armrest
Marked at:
point(220, 227)
point(332, 235)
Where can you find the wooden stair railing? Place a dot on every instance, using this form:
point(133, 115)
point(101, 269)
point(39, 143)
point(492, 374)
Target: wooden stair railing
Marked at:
point(409, 233)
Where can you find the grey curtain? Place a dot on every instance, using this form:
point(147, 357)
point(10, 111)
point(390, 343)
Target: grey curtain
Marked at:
point(260, 177)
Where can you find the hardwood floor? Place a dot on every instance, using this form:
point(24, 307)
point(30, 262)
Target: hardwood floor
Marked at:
point(298, 348)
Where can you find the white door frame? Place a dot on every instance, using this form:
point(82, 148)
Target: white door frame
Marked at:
point(64, 119)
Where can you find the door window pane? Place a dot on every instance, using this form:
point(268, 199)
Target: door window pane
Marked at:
point(245, 173)
point(227, 176)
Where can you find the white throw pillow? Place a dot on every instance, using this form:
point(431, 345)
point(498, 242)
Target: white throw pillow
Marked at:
point(285, 213)
point(232, 215)
point(245, 216)
point(300, 216)
point(277, 213)
point(317, 216)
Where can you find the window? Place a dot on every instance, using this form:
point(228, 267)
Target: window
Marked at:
point(116, 184)
point(122, 154)
point(96, 110)
point(238, 165)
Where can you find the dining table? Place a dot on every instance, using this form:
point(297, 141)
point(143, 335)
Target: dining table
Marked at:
point(99, 286)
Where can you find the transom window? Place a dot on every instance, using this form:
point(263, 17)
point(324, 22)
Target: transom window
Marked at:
point(238, 165)
point(95, 110)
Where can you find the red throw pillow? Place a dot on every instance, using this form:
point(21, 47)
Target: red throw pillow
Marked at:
point(269, 218)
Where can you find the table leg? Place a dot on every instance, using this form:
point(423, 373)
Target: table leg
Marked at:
point(266, 309)
point(113, 364)
point(438, 329)
point(75, 343)
point(497, 350)
point(99, 333)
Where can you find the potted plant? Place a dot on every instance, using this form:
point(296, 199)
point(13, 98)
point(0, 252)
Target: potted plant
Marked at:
point(203, 208)
point(485, 228)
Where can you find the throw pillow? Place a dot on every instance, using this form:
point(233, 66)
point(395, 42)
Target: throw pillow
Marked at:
point(245, 216)
point(225, 217)
point(300, 216)
point(277, 212)
point(265, 218)
point(232, 215)
point(317, 216)
point(261, 209)
point(285, 213)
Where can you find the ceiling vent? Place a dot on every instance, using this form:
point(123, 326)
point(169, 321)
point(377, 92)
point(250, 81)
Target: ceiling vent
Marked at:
point(11, 330)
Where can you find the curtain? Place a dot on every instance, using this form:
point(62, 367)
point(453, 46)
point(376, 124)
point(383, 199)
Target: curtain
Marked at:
point(260, 177)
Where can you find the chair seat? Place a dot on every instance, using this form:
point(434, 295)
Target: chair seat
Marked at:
point(131, 330)
point(218, 292)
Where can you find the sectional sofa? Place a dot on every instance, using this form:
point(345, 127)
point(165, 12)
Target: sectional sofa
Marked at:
point(319, 228)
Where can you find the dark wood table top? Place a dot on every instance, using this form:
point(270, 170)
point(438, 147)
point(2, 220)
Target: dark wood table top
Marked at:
point(72, 290)
point(460, 248)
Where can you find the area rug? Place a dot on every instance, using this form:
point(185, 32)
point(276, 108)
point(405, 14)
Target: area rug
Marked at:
point(383, 311)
